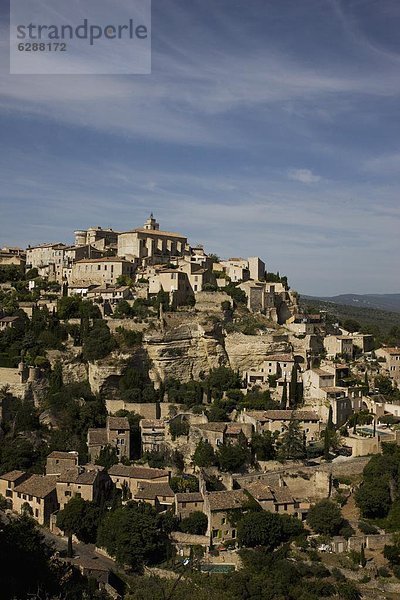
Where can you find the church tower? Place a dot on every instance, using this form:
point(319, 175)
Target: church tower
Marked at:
point(151, 224)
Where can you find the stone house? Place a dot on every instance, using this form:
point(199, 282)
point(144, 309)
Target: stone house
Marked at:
point(174, 282)
point(136, 477)
point(8, 322)
point(278, 420)
point(391, 357)
point(338, 344)
point(60, 462)
point(277, 365)
point(217, 507)
point(152, 433)
point(158, 495)
point(315, 380)
point(8, 482)
point(188, 502)
point(40, 257)
point(101, 271)
point(88, 482)
point(110, 293)
point(278, 498)
point(39, 492)
point(219, 432)
point(117, 434)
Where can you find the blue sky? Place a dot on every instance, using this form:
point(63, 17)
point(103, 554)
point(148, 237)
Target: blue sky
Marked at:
point(267, 127)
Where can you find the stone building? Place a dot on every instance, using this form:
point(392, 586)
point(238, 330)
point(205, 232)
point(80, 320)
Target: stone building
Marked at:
point(219, 432)
point(158, 495)
point(188, 502)
point(116, 434)
point(279, 365)
point(40, 257)
point(100, 271)
point(149, 245)
point(58, 463)
point(8, 482)
point(152, 432)
point(218, 507)
point(391, 358)
point(338, 344)
point(99, 238)
point(88, 482)
point(39, 492)
point(278, 420)
point(135, 477)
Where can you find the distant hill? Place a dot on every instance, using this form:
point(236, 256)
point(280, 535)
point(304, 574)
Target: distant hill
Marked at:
point(389, 302)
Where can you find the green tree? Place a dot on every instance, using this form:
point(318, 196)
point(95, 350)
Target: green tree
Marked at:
point(284, 398)
point(132, 535)
point(267, 529)
point(373, 499)
point(185, 483)
point(232, 457)
point(99, 342)
point(107, 457)
point(263, 446)
point(196, 523)
point(204, 455)
point(292, 441)
point(325, 517)
point(81, 518)
point(328, 434)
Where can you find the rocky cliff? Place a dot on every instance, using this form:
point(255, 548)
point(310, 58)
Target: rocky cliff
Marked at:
point(185, 351)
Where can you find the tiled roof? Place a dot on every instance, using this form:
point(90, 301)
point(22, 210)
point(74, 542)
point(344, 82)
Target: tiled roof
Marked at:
point(217, 426)
point(280, 357)
point(151, 491)
point(227, 500)
point(283, 415)
point(157, 232)
point(283, 496)
point(118, 423)
point(189, 497)
point(9, 319)
point(391, 350)
point(152, 423)
point(299, 415)
point(12, 475)
point(136, 472)
point(259, 490)
point(37, 485)
point(58, 454)
point(97, 437)
point(76, 475)
point(322, 372)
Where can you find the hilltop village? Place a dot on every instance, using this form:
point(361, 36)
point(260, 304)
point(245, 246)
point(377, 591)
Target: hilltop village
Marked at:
point(192, 398)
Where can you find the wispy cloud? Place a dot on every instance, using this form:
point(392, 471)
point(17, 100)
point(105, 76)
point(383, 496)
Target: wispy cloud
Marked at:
point(303, 175)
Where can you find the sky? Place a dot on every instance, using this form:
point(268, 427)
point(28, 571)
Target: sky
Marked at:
point(267, 128)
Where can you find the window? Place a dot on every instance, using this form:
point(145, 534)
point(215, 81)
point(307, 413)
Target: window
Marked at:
point(233, 533)
point(67, 493)
point(19, 494)
point(223, 520)
point(183, 504)
point(36, 512)
point(8, 493)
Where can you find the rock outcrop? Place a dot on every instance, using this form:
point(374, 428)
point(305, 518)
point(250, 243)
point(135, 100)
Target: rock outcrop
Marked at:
point(186, 351)
point(247, 351)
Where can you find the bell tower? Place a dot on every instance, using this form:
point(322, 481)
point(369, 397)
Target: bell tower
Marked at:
point(151, 224)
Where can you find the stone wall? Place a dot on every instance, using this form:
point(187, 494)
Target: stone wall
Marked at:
point(144, 409)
